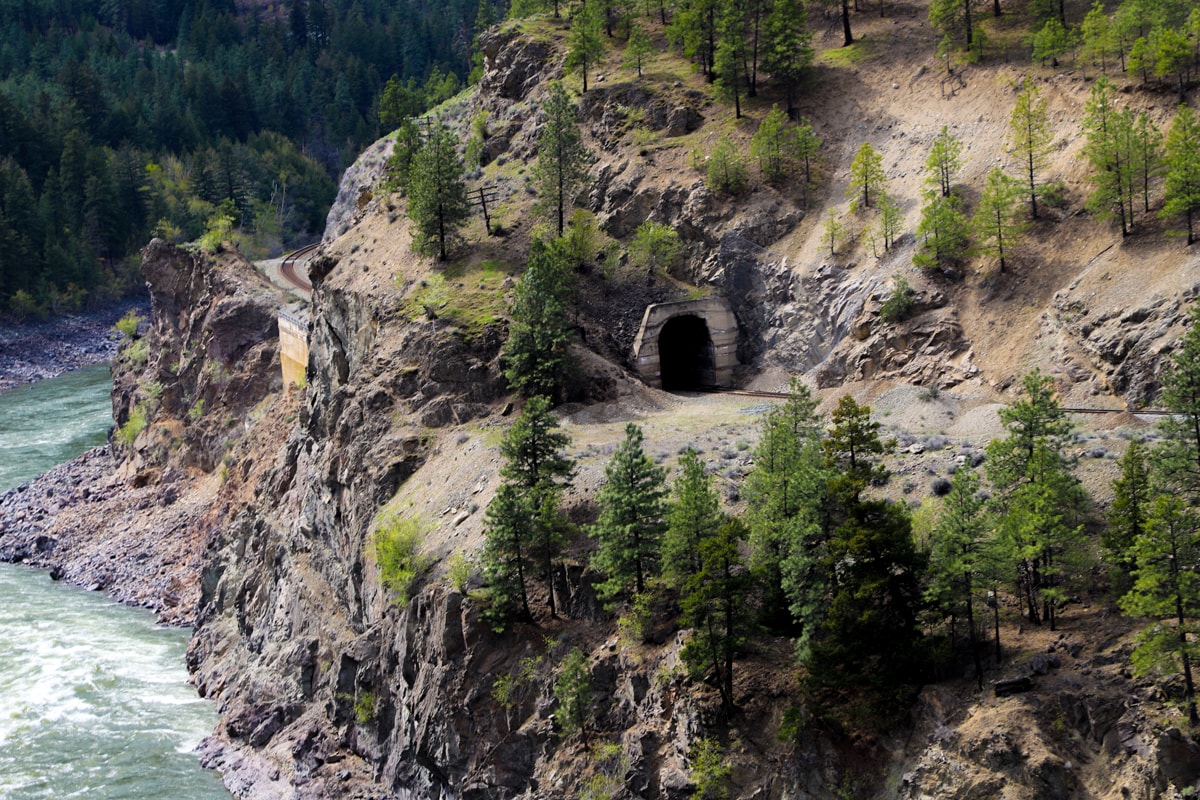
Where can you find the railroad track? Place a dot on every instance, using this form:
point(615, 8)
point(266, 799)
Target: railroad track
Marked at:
point(287, 268)
point(1146, 412)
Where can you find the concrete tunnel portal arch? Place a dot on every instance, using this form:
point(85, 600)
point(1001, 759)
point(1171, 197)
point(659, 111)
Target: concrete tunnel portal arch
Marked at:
point(691, 344)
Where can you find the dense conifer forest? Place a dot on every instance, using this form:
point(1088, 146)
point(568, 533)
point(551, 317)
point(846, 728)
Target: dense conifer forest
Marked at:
point(125, 120)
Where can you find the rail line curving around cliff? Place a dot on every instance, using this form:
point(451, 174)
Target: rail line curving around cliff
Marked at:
point(287, 269)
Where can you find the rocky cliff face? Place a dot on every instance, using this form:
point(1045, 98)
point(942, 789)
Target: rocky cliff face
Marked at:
point(328, 688)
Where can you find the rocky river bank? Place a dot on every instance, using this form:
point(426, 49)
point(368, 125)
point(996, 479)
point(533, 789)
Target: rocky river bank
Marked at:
point(35, 351)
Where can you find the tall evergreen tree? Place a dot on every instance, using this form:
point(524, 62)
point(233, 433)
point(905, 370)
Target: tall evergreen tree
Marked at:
point(1128, 512)
point(1038, 498)
point(867, 178)
point(787, 52)
point(437, 194)
point(632, 519)
point(999, 220)
point(1147, 155)
point(693, 517)
point(1178, 457)
point(524, 522)
point(785, 491)
point(1110, 149)
point(585, 45)
point(944, 231)
point(1167, 587)
point(958, 557)
point(865, 645)
point(945, 159)
point(535, 355)
point(562, 160)
point(695, 30)
point(733, 53)
point(713, 601)
point(1029, 134)
point(1181, 187)
point(638, 48)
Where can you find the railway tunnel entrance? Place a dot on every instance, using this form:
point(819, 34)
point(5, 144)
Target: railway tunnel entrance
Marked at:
point(685, 354)
point(687, 345)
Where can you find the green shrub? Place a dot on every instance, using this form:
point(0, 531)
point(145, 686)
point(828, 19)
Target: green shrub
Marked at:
point(23, 306)
point(710, 770)
point(396, 542)
point(458, 572)
point(138, 352)
point(655, 246)
point(726, 170)
point(1052, 194)
point(581, 239)
point(133, 426)
point(634, 624)
point(899, 304)
point(128, 325)
point(364, 707)
point(197, 410)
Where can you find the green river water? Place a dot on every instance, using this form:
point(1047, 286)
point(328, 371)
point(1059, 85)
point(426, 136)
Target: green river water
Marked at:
point(94, 699)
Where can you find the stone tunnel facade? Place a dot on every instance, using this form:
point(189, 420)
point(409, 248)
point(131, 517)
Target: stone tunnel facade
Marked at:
point(691, 344)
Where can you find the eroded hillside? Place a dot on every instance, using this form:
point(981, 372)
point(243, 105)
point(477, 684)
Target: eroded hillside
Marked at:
point(329, 688)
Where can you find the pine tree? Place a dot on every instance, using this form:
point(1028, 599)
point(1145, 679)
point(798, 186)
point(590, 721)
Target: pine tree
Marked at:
point(1029, 133)
point(867, 178)
point(1052, 41)
point(713, 601)
point(784, 493)
point(952, 19)
point(732, 54)
point(1039, 500)
point(890, 220)
point(1181, 187)
point(769, 146)
point(945, 159)
point(525, 527)
point(573, 691)
point(1178, 457)
point(505, 559)
point(958, 559)
point(999, 220)
point(694, 516)
point(535, 354)
point(867, 647)
point(1110, 150)
point(945, 232)
point(726, 169)
point(1127, 514)
point(638, 48)
point(1167, 586)
point(695, 30)
point(1097, 36)
point(787, 51)
point(437, 195)
point(1147, 155)
point(853, 450)
point(562, 160)
point(585, 45)
point(632, 519)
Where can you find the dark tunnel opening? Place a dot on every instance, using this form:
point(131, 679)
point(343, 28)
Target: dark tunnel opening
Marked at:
point(686, 355)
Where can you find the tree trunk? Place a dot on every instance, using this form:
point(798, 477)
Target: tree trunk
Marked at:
point(974, 644)
point(848, 37)
point(996, 622)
